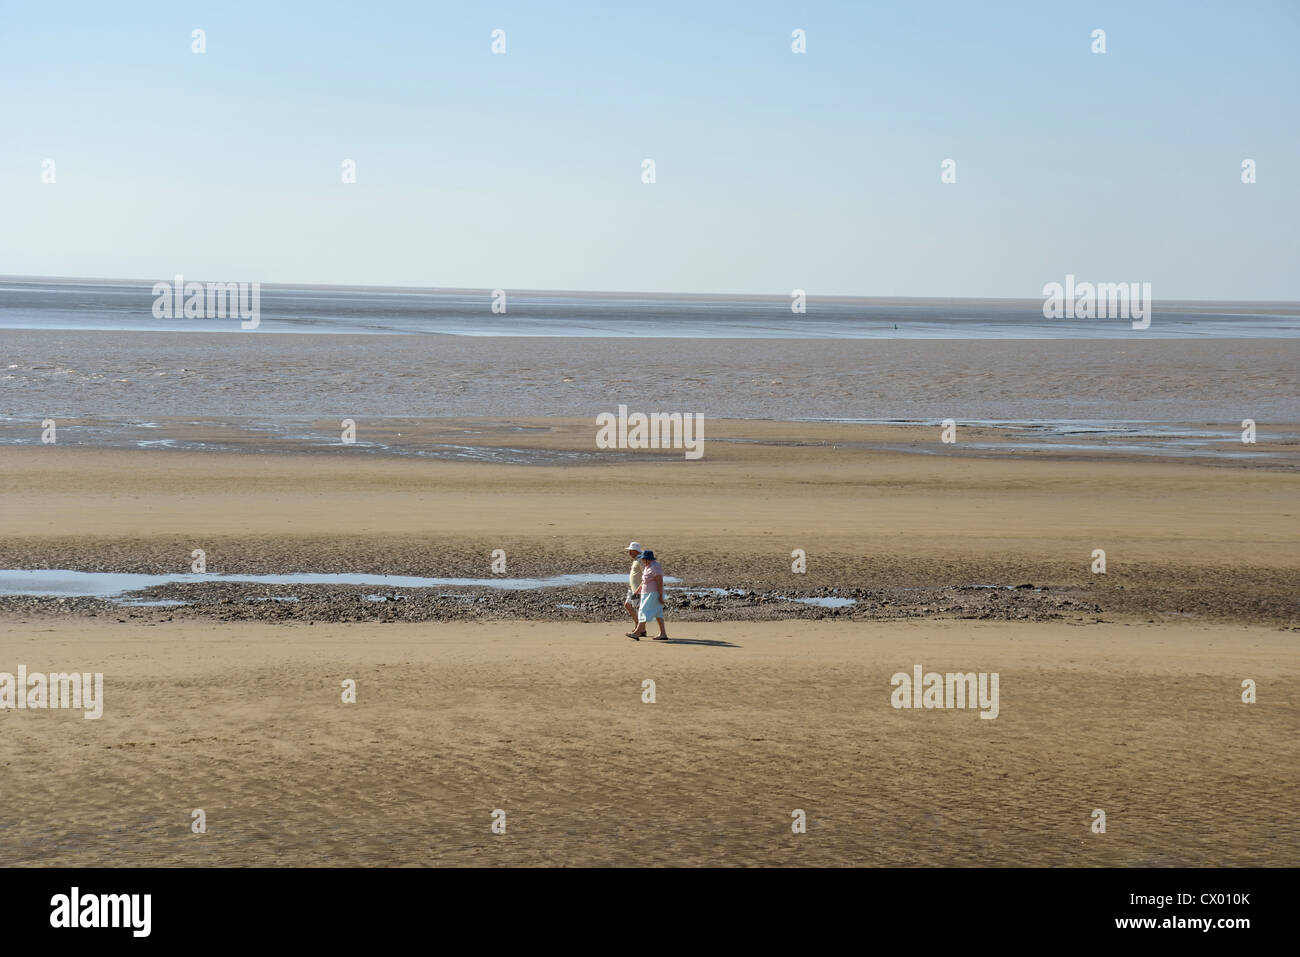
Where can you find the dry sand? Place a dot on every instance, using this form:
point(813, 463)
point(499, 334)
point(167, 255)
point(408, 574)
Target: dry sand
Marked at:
point(547, 723)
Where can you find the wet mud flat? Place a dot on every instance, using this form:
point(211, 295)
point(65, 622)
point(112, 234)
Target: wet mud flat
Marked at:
point(246, 601)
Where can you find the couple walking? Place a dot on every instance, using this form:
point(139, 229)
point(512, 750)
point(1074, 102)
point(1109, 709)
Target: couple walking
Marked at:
point(645, 592)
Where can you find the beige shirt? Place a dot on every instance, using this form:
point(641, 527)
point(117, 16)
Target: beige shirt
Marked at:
point(634, 576)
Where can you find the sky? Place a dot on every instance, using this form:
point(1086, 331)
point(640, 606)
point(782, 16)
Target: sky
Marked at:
point(774, 170)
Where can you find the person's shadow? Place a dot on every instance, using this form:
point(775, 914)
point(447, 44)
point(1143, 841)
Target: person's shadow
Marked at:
point(697, 641)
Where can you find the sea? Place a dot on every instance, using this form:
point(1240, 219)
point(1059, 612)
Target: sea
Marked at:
point(57, 304)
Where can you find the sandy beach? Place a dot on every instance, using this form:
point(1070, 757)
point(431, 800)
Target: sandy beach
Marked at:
point(960, 468)
point(750, 723)
point(1182, 540)
point(1119, 692)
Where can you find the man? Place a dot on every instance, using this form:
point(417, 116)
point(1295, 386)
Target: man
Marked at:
point(633, 600)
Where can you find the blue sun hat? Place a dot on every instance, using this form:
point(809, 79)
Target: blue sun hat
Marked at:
point(648, 555)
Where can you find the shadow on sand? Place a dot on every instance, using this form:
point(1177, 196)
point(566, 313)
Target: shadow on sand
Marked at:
point(692, 641)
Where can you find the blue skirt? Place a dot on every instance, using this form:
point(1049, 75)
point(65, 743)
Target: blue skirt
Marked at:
point(651, 607)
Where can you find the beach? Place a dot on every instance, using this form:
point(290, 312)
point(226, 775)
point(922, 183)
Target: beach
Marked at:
point(546, 723)
point(901, 531)
point(672, 437)
point(1120, 692)
point(827, 539)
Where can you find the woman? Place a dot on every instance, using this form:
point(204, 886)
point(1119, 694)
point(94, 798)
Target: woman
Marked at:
point(652, 598)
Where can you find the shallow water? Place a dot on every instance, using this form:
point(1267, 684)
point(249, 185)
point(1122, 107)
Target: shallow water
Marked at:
point(1092, 435)
point(826, 602)
point(296, 390)
point(821, 602)
point(66, 583)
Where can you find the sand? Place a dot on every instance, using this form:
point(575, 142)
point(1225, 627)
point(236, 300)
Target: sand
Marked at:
point(1181, 539)
point(1127, 701)
point(750, 723)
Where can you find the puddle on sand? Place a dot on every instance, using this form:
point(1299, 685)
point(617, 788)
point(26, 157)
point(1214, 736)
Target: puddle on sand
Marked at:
point(826, 602)
point(66, 583)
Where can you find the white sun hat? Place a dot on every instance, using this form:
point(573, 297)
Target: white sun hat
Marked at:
point(634, 545)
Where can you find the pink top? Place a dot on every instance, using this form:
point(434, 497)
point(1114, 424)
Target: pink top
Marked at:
point(652, 579)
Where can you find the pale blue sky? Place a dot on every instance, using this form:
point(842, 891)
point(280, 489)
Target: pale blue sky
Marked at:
point(775, 171)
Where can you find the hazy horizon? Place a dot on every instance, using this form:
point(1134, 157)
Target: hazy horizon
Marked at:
point(664, 294)
point(130, 154)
